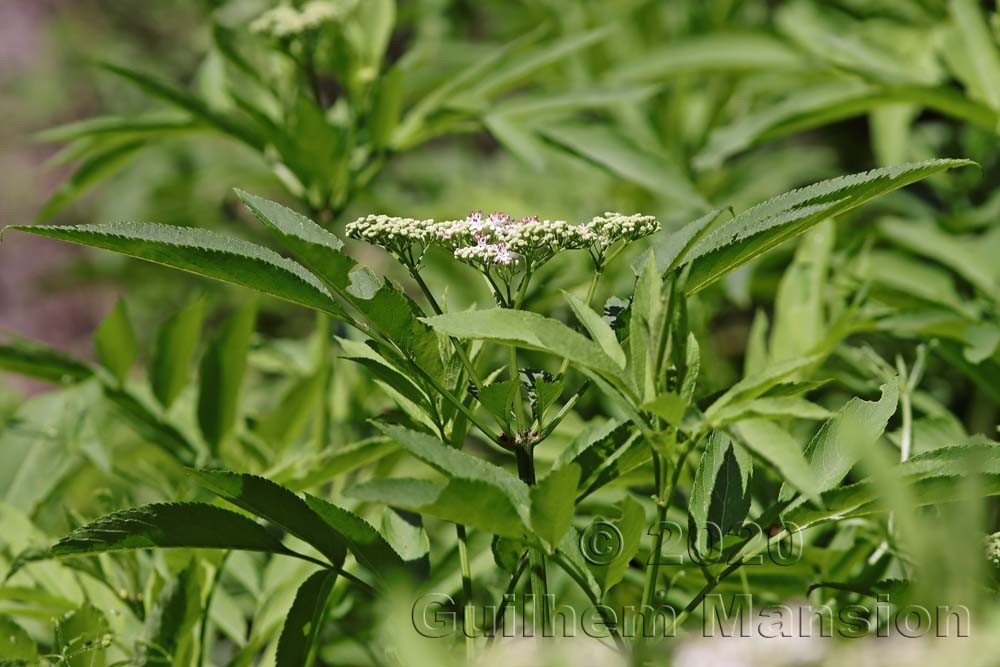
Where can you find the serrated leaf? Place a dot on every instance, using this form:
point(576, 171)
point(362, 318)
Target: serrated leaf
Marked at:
point(528, 330)
point(553, 500)
point(318, 249)
point(296, 645)
point(365, 542)
point(176, 341)
point(777, 220)
point(843, 439)
point(114, 342)
point(720, 494)
point(166, 526)
point(276, 504)
point(205, 253)
point(221, 376)
point(595, 445)
point(472, 503)
point(457, 464)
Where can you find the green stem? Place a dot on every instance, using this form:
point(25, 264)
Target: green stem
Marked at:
point(609, 622)
point(662, 504)
point(324, 333)
point(459, 347)
point(502, 607)
point(206, 617)
point(591, 290)
point(468, 611)
point(536, 559)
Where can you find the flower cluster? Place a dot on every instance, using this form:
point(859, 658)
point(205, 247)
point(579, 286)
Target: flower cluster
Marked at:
point(406, 238)
point(993, 550)
point(499, 240)
point(604, 231)
point(286, 21)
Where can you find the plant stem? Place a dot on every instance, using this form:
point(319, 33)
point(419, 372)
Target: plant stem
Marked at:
point(539, 588)
point(662, 504)
point(206, 618)
point(609, 623)
point(502, 607)
point(591, 289)
point(459, 347)
point(324, 334)
point(468, 612)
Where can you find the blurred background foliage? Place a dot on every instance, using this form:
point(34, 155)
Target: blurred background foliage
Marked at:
point(430, 108)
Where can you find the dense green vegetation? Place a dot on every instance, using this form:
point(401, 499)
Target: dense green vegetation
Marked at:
point(773, 378)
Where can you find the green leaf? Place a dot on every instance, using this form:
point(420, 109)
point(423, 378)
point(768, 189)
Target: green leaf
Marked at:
point(643, 329)
point(595, 445)
point(166, 526)
point(42, 362)
point(672, 247)
point(275, 503)
point(668, 406)
point(631, 525)
point(720, 494)
point(612, 152)
point(93, 169)
point(365, 542)
point(749, 388)
point(173, 618)
point(316, 248)
point(799, 320)
point(553, 500)
point(958, 255)
point(185, 101)
point(528, 330)
point(715, 51)
point(282, 425)
point(499, 398)
point(777, 446)
point(842, 441)
point(459, 465)
point(205, 253)
point(115, 343)
point(176, 342)
point(297, 644)
point(15, 644)
point(516, 68)
point(598, 329)
point(979, 43)
point(938, 476)
point(408, 540)
point(767, 225)
point(81, 637)
point(221, 376)
point(472, 503)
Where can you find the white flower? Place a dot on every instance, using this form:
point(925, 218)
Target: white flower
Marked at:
point(287, 21)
